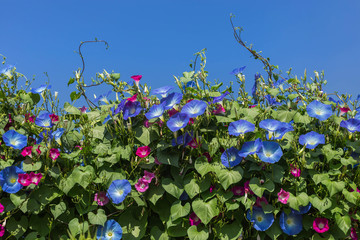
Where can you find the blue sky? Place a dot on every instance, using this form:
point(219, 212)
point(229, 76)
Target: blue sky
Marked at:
point(157, 39)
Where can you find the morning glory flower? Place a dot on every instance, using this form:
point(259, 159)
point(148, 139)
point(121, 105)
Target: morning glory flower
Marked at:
point(270, 152)
point(14, 139)
point(118, 190)
point(163, 91)
point(291, 224)
point(312, 139)
point(261, 221)
point(184, 139)
point(319, 110)
point(237, 71)
point(250, 148)
point(131, 109)
point(178, 121)
point(56, 135)
point(273, 126)
point(171, 100)
point(194, 108)
point(120, 107)
point(272, 101)
point(40, 89)
point(44, 120)
point(103, 98)
point(321, 225)
point(9, 179)
point(352, 125)
point(279, 82)
point(280, 132)
point(155, 111)
point(303, 209)
point(110, 231)
point(190, 84)
point(240, 127)
point(230, 157)
point(220, 98)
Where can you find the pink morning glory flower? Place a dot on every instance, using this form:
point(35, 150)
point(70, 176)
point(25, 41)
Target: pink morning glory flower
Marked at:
point(211, 188)
point(141, 185)
point(27, 151)
point(38, 150)
point(2, 230)
point(54, 153)
point(157, 161)
point(23, 179)
point(283, 196)
point(247, 188)
point(136, 78)
point(101, 198)
point(54, 118)
point(148, 176)
point(260, 200)
point(34, 178)
point(132, 98)
point(194, 219)
point(321, 225)
point(238, 190)
point(143, 151)
point(207, 155)
point(296, 172)
point(219, 110)
point(1, 208)
point(353, 234)
point(83, 109)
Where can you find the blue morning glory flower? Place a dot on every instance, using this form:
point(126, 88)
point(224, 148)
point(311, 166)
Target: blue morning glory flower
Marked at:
point(291, 224)
point(250, 148)
point(303, 209)
point(171, 100)
point(352, 125)
point(272, 126)
point(184, 139)
point(240, 127)
point(131, 109)
point(40, 89)
point(9, 179)
point(56, 135)
point(280, 132)
point(194, 108)
point(103, 97)
point(279, 82)
point(44, 120)
point(14, 139)
point(110, 231)
point(319, 110)
point(7, 69)
point(272, 101)
point(220, 98)
point(163, 91)
point(120, 107)
point(230, 157)
point(190, 84)
point(312, 139)
point(118, 190)
point(236, 71)
point(155, 111)
point(184, 196)
point(261, 221)
point(178, 121)
point(270, 152)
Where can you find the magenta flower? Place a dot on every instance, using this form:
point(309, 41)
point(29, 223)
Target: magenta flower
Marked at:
point(83, 109)
point(207, 155)
point(54, 118)
point(247, 188)
point(193, 143)
point(172, 112)
point(143, 151)
point(194, 220)
point(141, 185)
point(219, 110)
point(101, 198)
point(23, 179)
point(156, 161)
point(136, 78)
point(54, 154)
point(148, 176)
point(259, 201)
point(353, 234)
point(132, 98)
point(34, 178)
point(211, 188)
point(27, 151)
point(2, 230)
point(351, 190)
point(238, 190)
point(1, 208)
point(38, 150)
point(283, 196)
point(78, 146)
point(321, 225)
point(296, 172)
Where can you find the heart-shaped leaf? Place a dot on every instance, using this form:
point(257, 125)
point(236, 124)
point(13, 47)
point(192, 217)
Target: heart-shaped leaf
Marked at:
point(195, 235)
point(205, 210)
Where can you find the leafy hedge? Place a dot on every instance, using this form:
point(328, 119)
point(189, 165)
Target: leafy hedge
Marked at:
point(193, 163)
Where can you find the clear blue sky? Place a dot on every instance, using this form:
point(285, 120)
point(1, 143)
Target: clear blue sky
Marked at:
point(158, 38)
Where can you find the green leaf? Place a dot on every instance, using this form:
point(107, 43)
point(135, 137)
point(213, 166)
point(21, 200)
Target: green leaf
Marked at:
point(134, 223)
point(99, 218)
point(99, 132)
point(71, 109)
point(352, 197)
point(321, 205)
point(172, 187)
point(17, 228)
point(71, 81)
point(157, 234)
point(75, 227)
point(168, 157)
point(30, 167)
point(178, 211)
point(343, 222)
point(333, 187)
point(258, 188)
point(58, 209)
point(273, 91)
point(195, 235)
point(298, 201)
point(205, 210)
point(154, 193)
point(229, 176)
point(230, 231)
point(145, 135)
point(203, 166)
point(193, 186)
point(304, 119)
